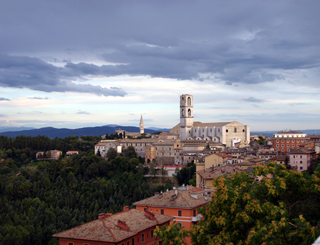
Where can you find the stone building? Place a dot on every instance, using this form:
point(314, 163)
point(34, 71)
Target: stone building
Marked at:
point(228, 133)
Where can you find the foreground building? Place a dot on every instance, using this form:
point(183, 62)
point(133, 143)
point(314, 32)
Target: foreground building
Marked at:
point(130, 227)
point(182, 203)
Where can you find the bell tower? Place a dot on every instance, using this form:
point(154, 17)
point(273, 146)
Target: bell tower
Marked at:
point(186, 116)
point(141, 125)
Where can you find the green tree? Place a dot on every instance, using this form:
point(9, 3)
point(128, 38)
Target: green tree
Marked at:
point(153, 169)
point(279, 210)
point(111, 153)
point(282, 208)
point(130, 152)
point(171, 235)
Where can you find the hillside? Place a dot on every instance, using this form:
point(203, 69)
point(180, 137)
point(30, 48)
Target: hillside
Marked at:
point(65, 132)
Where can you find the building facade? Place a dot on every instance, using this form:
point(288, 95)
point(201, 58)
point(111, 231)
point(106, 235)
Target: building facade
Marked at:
point(182, 203)
point(228, 133)
point(286, 140)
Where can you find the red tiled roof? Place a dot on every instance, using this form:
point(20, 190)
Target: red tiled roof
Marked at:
point(114, 228)
point(210, 173)
point(183, 199)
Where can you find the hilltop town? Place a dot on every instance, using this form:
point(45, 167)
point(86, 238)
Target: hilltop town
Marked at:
point(140, 188)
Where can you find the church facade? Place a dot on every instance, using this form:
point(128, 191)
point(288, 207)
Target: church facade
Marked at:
point(231, 134)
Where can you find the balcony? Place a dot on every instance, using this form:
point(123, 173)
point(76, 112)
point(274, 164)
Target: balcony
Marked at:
point(196, 218)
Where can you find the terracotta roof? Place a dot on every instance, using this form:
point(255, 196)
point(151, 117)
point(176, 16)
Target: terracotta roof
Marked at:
point(217, 124)
point(109, 229)
point(221, 154)
point(182, 200)
point(301, 151)
point(210, 173)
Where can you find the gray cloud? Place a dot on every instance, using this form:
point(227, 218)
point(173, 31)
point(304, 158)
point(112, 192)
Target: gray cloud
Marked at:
point(4, 99)
point(234, 40)
point(254, 100)
point(38, 98)
point(2, 115)
point(83, 112)
point(297, 104)
point(35, 74)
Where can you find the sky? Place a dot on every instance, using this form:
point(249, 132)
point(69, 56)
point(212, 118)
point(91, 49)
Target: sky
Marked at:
point(80, 63)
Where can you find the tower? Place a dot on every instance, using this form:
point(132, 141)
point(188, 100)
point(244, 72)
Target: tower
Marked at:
point(141, 125)
point(186, 116)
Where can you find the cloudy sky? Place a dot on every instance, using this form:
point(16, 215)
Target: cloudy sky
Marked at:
point(83, 63)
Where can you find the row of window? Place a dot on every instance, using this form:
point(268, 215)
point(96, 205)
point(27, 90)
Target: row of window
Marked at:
point(288, 141)
point(293, 145)
point(179, 211)
point(294, 162)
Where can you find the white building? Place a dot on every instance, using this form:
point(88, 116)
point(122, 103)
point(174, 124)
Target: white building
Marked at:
point(231, 134)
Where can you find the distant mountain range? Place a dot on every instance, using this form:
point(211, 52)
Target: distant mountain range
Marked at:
point(108, 129)
point(65, 132)
point(9, 129)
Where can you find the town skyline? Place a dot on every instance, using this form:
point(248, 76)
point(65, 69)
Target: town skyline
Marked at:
point(68, 65)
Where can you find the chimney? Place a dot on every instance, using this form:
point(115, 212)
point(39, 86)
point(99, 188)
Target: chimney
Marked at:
point(176, 192)
point(102, 215)
point(126, 208)
point(109, 214)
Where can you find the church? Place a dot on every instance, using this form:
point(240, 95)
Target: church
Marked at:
point(232, 134)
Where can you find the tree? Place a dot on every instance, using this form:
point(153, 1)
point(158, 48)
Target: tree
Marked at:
point(98, 153)
point(171, 235)
point(111, 153)
point(279, 210)
point(130, 152)
point(153, 170)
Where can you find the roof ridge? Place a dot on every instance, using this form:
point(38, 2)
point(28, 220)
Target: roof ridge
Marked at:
point(109, 230)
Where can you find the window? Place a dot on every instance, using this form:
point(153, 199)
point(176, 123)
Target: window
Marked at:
point(142, 238)
point(70, 243)
point(151, 233)
point(128, 243)
point(282, 145)
point(162, 211)
point(301, 168)
point(132, 241)
point(300, 162)
point(277, 141)
point(277, 145)
point(194, 213)
point(145, 209)
point(227, 130)
point(189, 101)
point(243, 130)
point(288, 145)
point(292, 145)
point(235, 130)
point(179, 213)
point(300, 156)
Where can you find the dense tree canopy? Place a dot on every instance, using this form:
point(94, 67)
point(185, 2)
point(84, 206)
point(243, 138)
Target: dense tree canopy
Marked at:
point(282, 208)
point(52, 196)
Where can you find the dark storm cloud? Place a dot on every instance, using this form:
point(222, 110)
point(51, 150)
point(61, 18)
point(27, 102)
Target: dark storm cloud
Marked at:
point(35, 74)
point(4, 99)
point(237, 41)
point(252, 99)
